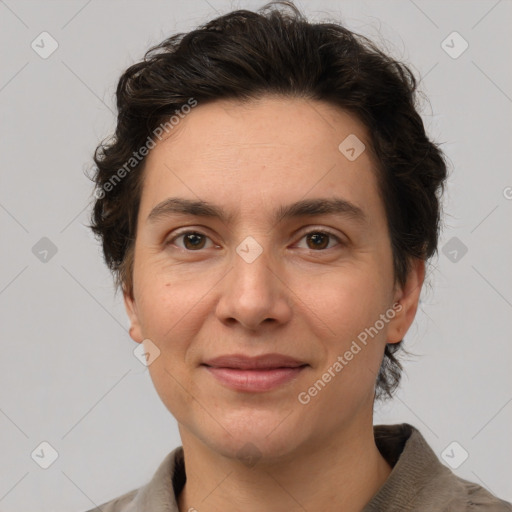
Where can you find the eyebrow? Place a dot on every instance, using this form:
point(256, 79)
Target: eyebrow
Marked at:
point(303, 208)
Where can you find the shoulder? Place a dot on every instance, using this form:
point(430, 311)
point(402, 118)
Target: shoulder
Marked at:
point(124, 503)
point(419, 482)
point(479, 498)
point(160, 493)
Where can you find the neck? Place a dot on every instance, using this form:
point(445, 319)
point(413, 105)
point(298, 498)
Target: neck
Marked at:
point(341, 475)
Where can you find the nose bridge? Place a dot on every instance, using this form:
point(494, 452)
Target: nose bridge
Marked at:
point(253, 292)
point(251, 272)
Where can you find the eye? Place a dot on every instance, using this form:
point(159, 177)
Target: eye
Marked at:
point(316, 240)
point(320, 240)
point(192, 240)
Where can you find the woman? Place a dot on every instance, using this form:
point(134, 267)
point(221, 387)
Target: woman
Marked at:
point(268, 206)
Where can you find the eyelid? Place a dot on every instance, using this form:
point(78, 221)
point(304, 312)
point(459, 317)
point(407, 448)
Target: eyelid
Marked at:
point(302, 233)
point(326, 231)
point(184, 231)
point(320, 229)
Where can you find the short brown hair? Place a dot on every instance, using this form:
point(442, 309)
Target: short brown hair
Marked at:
point(244, 55)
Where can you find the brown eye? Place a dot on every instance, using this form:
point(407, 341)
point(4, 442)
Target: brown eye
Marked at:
point(318, 240)
point(192, 240)
point(321, 240)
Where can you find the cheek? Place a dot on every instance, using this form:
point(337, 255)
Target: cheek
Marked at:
point(173, 386)
point(169, 318)
point(351, 300)
point(165, 304)
point(352, 307)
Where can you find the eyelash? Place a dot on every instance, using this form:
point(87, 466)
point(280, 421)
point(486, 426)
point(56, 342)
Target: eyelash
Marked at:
point(313, 231)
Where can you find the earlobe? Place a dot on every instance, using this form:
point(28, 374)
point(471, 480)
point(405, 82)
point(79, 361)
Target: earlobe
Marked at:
point(406, 302)
point(131, 309)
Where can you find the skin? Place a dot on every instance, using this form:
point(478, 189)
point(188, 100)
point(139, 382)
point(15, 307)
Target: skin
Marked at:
point(294, 299)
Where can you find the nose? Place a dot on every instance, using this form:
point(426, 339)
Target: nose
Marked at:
point(254, 294)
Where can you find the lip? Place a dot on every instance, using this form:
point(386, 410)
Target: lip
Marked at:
point(254, 374)
point(263, 362)
point(254, 380)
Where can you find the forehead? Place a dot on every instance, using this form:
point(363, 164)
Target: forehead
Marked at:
point(260, 154)
point(299, 126)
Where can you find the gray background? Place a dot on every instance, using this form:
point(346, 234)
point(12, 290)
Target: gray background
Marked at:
point(69, 376)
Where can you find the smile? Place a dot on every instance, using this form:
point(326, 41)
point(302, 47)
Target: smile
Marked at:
point(254, 380)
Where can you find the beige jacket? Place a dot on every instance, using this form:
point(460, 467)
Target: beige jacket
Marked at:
point(419, 482)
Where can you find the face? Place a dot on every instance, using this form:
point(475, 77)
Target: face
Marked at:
point(263, 278)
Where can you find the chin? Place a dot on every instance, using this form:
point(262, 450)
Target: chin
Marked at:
point(252, 450)
point(264, 437)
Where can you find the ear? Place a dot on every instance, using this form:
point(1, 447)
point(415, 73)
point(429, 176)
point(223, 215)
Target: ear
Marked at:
point(131, 309)
point(406, 298)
